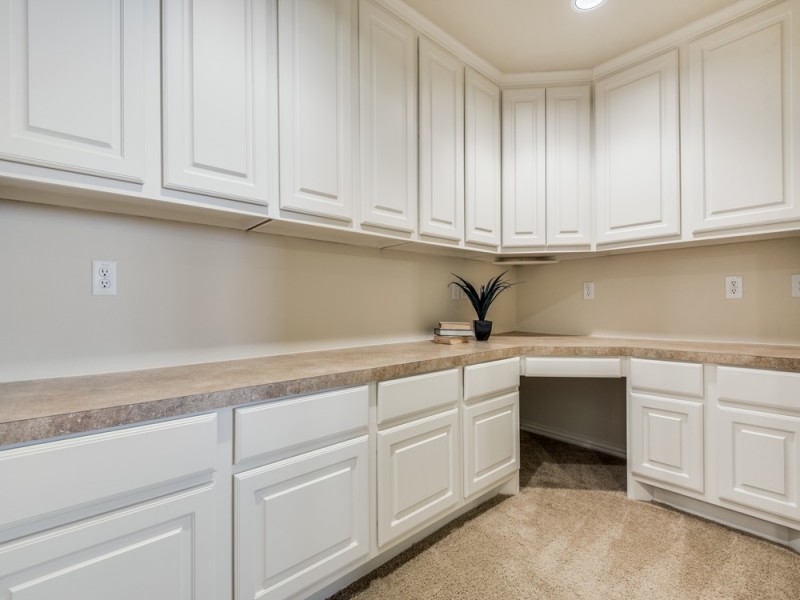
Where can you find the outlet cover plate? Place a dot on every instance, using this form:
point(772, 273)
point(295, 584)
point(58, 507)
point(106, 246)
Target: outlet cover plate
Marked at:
point(733, 287)
point(104, 278)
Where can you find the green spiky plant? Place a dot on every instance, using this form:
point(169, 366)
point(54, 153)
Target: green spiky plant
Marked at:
point(482, 299)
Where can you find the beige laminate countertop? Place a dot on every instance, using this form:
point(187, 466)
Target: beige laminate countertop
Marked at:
point(46, 408)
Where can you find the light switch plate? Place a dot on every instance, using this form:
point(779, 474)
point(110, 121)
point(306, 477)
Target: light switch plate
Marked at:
point(796, 285)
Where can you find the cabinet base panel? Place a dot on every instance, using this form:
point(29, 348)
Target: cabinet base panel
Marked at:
point(779, 534)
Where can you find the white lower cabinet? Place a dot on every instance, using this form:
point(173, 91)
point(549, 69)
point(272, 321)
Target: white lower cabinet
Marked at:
point(758, 440)
point(666, 416)
point(160, 550)
point(418, 474)
point(300, 520)
point(491, 443)
point(126, 514)
point(301, 505)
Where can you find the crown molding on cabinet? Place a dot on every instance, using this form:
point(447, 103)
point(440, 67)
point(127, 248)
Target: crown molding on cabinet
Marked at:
point(680, 36)
point(441, 37)
point(575, 77)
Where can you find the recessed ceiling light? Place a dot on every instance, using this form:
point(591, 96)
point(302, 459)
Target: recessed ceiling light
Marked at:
point(586, 4)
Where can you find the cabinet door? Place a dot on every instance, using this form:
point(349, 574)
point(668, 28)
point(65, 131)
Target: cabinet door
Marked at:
point(300, 520)
point(482, 159)
point(524, 168)
point(441, 142)
point(568, 174)
point(417, 474)
point(162, 550)
point(220, 98)
point(317, 106)
point(491, 442)
point(758, 457)
point(388, 84)
point(73, 92)
point(743, 145)
point(667, 440)
point(637, 154)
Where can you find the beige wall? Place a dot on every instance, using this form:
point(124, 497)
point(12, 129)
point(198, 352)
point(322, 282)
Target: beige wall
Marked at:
point(669, 294)
point(189, 293)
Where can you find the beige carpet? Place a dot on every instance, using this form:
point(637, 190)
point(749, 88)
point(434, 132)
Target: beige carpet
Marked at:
point(571, 533)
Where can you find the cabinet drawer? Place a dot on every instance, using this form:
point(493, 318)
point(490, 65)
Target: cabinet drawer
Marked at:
point(490, 378)
point(288, 426)
point(667, 377)
point(773, 389)
point(417, 395)
point(572, 367)
point(57, 477)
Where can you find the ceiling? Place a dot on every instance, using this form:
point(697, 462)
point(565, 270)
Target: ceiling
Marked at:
point(524, 36)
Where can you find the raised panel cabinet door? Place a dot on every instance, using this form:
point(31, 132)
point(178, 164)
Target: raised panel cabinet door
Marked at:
point(161, 550)
point(524, 168)
point(388, 108)
point(758, 457)
point(482, 159)
point(300, 520)
point(491, 443)
point(667, 440)
point(316, 68)
point(220, 98)
point(742, 140)
point(568, 166)
point(73, 92)
point(441, 142)
point(418, 474)
point(637, 152)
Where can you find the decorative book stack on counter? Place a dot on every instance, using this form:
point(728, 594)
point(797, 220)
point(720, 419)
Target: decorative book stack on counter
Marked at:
point(453, 332)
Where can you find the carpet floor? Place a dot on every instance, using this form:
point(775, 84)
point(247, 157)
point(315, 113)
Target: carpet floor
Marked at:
point(571, 533)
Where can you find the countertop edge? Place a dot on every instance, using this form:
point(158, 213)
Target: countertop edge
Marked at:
point(33, 428)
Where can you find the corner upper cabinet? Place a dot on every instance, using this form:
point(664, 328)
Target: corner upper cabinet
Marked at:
point(388, 113)
point(441, 143)
point(317, 94)
point(568, 166)
point(742, 146)
point(73, 92)
point(220, 98)
point(637, 152)
point(524, 168)
point(482, 160)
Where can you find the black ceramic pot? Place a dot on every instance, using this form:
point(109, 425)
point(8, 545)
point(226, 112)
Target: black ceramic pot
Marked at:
point(483, 329)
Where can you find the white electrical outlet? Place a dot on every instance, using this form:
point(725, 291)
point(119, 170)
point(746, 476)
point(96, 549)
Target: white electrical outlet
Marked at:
point(796, 285)
point(104, 278)
point(588, 290)
point(733, 287)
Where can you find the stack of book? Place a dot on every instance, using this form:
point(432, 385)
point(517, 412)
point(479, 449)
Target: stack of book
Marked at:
point(453, 332)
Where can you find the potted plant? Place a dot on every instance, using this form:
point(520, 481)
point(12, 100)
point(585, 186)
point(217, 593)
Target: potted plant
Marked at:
point(481, 300)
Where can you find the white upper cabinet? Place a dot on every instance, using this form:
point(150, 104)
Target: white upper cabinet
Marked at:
point(388, 87)
point(317, 62)
point(524, 168)
point(220, 98)
point(73, 91)
point(637, 152)
point(742, 151)
point(568, 166)
point(482, 159)
point(441, 142)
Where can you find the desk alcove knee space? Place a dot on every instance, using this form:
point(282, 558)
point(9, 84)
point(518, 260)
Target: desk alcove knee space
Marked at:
point(579, 400)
